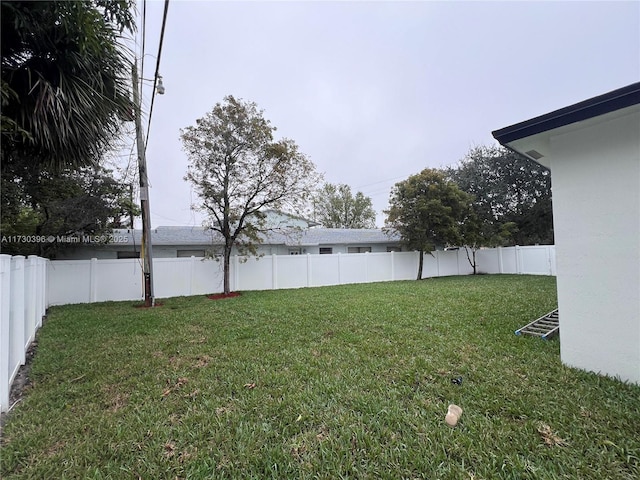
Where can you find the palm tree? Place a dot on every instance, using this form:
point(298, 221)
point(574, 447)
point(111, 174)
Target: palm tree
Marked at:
point(65, 79)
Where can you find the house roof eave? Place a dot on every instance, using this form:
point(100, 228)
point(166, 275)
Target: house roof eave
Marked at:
point(593, 107)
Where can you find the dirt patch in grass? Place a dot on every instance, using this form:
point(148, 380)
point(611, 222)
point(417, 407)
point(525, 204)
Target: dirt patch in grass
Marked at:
point(142, 305)
point(222, 296)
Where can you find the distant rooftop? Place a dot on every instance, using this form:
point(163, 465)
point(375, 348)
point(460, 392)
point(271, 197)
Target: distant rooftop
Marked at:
point(308, 237)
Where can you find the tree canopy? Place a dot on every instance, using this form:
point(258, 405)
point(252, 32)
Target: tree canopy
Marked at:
point(65, 87)
point(238, 171)
point(65, 79)
point(336, 207)
point(38, 204)
point(427, 210)
point(512, 196)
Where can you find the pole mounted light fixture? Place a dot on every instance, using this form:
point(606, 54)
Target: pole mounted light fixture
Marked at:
point(160, 86)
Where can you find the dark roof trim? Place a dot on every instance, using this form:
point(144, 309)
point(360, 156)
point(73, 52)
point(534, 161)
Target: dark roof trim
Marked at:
point(593, 107)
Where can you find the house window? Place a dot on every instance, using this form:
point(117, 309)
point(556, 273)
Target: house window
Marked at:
point(129, 254)
point(326, 250)
point(358, 249)
point(393, 249)
point(190, 253)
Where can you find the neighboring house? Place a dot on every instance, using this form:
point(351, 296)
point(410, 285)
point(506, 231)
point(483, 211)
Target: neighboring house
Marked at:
point(278, 220)
point(290, 238)
point(593, 151)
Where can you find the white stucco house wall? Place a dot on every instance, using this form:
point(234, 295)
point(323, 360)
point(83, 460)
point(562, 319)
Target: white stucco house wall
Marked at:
point(593, 151)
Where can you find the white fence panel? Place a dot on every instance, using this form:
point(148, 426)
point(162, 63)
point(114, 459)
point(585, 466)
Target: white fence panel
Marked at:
point(464, 266)
point(292, 271)
point(30, 295)
point(113, 280)
point(325, 270)
point(207, 276)
point(429, 266)
point(509, 260)
point(69, 282)
point(18, 317)
point(5, 329)
point(489, 260)
point(255, 273)
point(405, 265)
point(448, 263)
point(353, 268)
point(379, 267)
point(535, 260)
point(23, 304)
point(172, 277)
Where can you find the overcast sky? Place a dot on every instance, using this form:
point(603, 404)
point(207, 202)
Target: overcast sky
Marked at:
point(374, 92)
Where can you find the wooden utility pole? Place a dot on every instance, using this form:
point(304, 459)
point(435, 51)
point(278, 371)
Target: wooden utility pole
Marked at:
point(147, 257)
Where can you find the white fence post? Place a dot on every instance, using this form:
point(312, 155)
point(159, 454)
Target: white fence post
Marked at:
point(192, 273)
point(393, 266)
point(21, 312)
point(236, 269)
point(93, 280)
point(5, 319)
point(367, 257)
point(308, 270)
point(31, 293)
point(41, 280)
point(274, 271)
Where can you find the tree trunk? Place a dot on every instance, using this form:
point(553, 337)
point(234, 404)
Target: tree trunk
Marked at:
point(227, 258)
point(420, 264)
point(472, 262)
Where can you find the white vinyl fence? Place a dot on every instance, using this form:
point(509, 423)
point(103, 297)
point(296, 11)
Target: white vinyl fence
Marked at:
point(28, 286)
point(23, 287)
point(84, 281)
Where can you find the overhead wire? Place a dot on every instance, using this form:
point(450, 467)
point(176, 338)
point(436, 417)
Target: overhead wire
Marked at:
point(144, 35)
point(155, 76)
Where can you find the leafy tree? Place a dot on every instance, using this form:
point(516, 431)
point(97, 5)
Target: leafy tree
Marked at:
point(38, 203)
point(238, 171)
point(428, 210)
point(512, 197)
point(336, 207)
point(65, 79)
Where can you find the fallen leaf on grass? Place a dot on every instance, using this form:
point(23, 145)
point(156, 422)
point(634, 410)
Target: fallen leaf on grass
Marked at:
point(250, 386)
point(549, 437)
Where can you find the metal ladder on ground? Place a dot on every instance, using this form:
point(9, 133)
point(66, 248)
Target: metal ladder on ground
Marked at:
point(544, 327)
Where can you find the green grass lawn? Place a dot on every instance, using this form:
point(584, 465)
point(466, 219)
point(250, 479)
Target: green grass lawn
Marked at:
point(334, 382)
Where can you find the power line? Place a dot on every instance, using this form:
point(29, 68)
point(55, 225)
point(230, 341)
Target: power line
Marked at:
point(155, 77)
point(383, 181)
point(144, 35)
